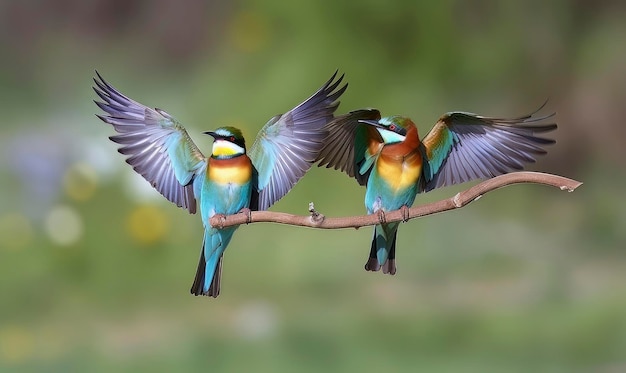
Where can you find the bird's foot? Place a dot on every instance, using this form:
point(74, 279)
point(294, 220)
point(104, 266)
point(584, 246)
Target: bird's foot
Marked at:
point(221, 218)
point(248, 214)
point(405, 213)
point(381, 216)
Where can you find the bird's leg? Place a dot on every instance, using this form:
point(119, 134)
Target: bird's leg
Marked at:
point(248, 213)
point(381, 216)
point(405, 213)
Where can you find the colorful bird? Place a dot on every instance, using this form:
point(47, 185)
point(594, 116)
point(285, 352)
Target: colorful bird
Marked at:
point(230, 180)
point(387, 156)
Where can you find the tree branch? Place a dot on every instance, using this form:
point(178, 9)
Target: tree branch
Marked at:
point(317, 220)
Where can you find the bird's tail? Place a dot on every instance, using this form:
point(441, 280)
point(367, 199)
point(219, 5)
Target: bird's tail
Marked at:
point(383, 249)
point(211, 270)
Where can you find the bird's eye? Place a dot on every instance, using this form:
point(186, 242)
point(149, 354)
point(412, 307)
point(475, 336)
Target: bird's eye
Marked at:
point(392, 127)
point(232, 138)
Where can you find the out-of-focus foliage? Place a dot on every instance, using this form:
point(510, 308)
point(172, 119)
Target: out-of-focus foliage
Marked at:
point(95, 266)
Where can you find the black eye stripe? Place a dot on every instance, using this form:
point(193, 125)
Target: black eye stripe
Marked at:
point(397, 129)
point(240, 142)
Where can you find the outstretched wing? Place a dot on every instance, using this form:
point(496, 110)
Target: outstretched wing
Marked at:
point(351, 146)
point(288, 144)
point(465, 146)
point(157, 146)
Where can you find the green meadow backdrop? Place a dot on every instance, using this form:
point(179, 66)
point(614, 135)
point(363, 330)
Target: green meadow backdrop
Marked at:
point(95, 266)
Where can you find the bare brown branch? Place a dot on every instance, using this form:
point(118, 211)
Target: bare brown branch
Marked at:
point(317, 220)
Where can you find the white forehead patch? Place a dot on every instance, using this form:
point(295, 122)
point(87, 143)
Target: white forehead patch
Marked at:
point(223, 132)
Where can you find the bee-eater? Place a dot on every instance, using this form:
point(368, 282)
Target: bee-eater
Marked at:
point(387, 156)
point(230, 180)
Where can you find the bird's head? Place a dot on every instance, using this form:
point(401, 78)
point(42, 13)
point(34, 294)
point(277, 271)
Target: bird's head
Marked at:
point(392, 129)
point(228, 142)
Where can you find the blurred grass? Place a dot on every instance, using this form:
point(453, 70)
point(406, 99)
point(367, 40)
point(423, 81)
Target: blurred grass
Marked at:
point(527, 278)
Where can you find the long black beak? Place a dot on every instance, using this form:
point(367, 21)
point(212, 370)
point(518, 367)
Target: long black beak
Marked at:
point(211, 133)
point(370, 122)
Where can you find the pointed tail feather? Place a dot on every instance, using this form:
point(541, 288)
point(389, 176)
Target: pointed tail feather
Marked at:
point(372, 262)
point(196, 288)
point(198, 283)
point(389, 267)
point(210, 270)
point(214, 289)
point(388, 256)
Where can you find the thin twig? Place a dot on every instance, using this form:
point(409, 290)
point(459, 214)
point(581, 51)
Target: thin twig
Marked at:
point(317, 220)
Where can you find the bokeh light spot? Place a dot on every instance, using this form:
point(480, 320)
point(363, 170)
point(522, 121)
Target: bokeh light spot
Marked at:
point(64, 225)
point(147, 224)
point(16, 231)
point(16, 344)
point(80, 181)
point(249, 31)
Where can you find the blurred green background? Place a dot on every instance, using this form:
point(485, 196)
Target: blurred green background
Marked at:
point(95, 267)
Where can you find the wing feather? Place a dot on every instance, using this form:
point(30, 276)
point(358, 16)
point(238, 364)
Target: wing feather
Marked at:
point(347, 142)
point(158, 147)
point(465, 146)
point(289, 144)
